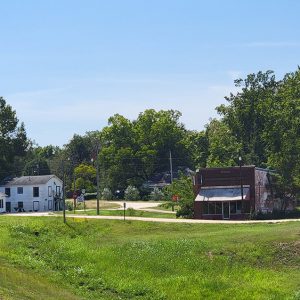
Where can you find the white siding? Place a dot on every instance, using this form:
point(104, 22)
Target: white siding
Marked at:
point(2, 204)
point(44, 202)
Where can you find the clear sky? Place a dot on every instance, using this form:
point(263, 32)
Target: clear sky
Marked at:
point(66, 66)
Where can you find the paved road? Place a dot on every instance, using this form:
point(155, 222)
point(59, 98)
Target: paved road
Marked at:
point(160, 220)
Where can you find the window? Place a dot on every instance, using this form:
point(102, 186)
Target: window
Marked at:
point(20, 190)
point(58, 190)
point(212, 208)
point(7, 192)
point(49, 191)
point(1, 203)
point(233, 207)
point(36, 191)
point(20, 204)
point(219, 208)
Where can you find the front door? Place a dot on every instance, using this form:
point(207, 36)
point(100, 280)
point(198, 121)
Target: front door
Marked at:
point(226, 210)
point(8, 207)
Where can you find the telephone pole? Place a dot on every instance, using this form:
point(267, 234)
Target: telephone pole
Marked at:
point(171, 166)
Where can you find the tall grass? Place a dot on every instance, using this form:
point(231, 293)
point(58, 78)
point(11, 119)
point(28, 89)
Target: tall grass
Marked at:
point(101, 259)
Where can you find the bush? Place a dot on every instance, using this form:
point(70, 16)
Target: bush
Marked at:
point(132, 193)
point(131, 211)
point(156, 194)
point(106, 194)
point(69, 205)
point(276, 214)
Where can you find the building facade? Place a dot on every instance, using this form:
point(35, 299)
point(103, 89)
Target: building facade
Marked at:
point(33, 193)
point(2, 202)
point(233, 193)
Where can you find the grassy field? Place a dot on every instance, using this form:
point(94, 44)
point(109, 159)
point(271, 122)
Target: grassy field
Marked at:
point(128, 213)
point(41, 258)
point(92, 204)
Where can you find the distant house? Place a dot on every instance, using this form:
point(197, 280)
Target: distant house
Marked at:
point(234, 193)
point(33, 193)
point(2, 202)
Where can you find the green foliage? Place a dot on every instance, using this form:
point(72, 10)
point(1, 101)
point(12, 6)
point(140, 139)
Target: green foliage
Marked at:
point(38, 166)
point(132, 193)
point(85, 177)
point(182, 187)
point(13, 141)
point(106, 194)
point(105, 259)
point(223, 146)
point(157, 194)
point(134, 151)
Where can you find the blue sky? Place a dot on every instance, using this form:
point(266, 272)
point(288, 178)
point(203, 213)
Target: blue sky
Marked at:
point(66, 66)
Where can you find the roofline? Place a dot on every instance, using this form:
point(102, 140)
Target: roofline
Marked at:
point(11, 182)
point(238, 167)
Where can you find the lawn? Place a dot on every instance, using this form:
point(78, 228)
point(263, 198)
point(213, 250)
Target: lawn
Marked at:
point(128, 213)
point(41, 258)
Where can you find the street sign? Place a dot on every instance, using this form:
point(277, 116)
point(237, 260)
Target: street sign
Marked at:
point(175, 198)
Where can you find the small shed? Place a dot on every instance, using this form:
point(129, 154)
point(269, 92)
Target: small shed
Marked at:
point(2, 202)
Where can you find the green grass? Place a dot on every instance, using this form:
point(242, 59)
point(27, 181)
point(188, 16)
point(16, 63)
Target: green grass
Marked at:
point(108, 259)
point(128, 213)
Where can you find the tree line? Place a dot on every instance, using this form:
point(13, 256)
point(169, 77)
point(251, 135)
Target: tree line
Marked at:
point(260, 123)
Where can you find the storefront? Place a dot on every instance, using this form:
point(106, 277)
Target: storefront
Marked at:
point(232, 193)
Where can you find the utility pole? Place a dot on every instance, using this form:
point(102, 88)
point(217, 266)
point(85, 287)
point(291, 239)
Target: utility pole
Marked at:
point(242, 189)
point(97, 174)
point(171, 166)
point(64, 191)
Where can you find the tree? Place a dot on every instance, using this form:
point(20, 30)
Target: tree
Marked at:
point(38, 166)
point(85, 177)
point(283, 137)
point(183, 188)
point(248, 112)
point(13, 141)
point(134, 151)
point(223, 148)
point(78, 149)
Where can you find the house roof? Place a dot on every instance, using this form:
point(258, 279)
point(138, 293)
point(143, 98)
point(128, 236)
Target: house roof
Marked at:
point(30, 180)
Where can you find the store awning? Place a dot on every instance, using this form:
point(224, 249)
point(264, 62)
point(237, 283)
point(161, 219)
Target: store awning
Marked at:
point(223, 193)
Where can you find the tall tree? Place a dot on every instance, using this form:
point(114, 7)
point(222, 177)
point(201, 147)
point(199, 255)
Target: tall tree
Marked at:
point(13, 141)
point(247, 113)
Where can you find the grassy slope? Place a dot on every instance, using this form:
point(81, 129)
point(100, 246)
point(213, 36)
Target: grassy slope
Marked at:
point(135, 260)
point(129, 213)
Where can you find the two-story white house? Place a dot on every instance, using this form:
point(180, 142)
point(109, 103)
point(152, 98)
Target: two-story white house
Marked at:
point(33, 193)
point(2, 202)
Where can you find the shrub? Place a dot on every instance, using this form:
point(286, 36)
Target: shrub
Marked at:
point(132, 193)
point(69, 205)
point(106, 194)
point(156, 194)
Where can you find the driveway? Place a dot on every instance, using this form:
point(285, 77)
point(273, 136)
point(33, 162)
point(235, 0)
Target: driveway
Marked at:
point(144, 206)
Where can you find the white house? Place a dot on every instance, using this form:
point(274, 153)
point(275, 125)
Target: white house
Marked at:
point(33, 193)
point(2, 202)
